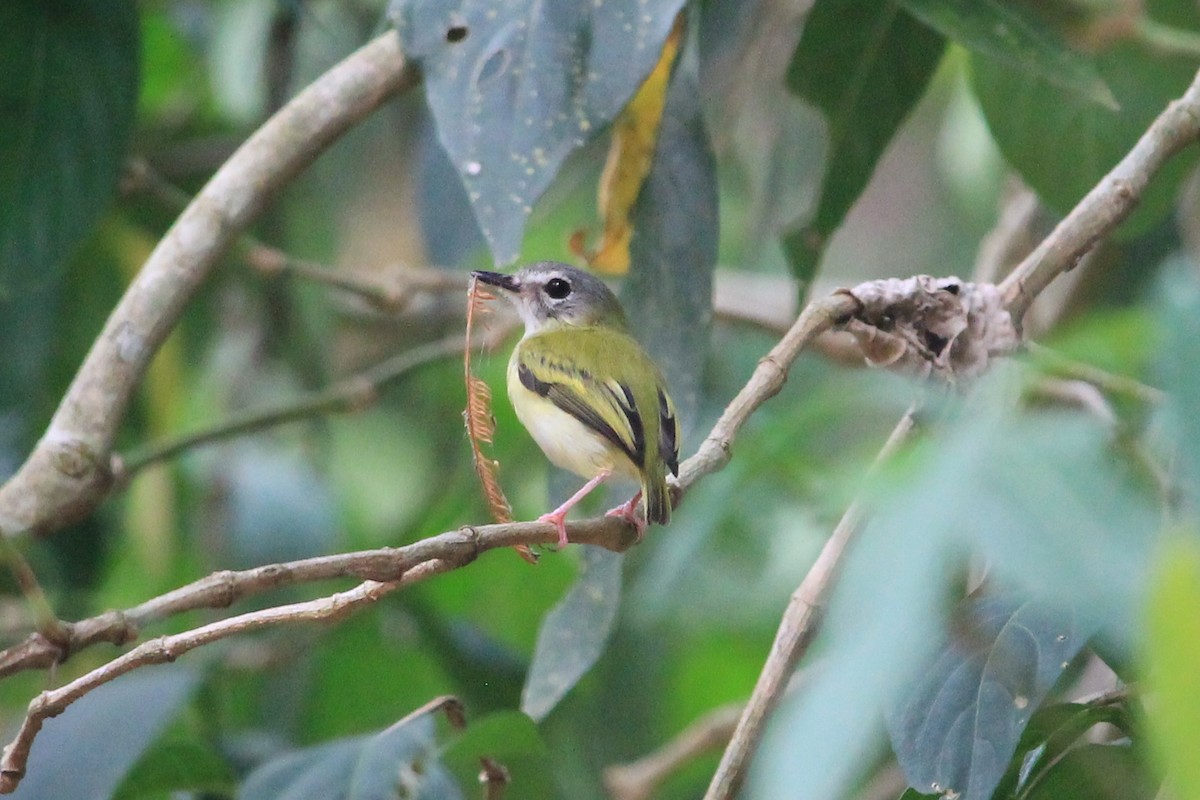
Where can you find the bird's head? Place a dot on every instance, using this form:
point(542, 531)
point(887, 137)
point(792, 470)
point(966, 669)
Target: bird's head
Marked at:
point(547, 292)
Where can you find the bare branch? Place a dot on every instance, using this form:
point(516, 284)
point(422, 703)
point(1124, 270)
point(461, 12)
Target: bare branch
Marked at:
point(766, 381)
point(67, 474)
point(639, 780)
point(389, 294)
point(1106, 205)
point(796, 631)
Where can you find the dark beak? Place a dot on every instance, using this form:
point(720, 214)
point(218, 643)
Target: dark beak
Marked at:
point(506, 282)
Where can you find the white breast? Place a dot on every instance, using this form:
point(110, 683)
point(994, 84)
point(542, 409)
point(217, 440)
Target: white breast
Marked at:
point(566, 441)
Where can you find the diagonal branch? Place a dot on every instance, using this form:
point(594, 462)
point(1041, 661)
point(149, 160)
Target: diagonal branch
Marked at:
point(67, 474)
point(350, 394)
point(1106, 205)
point(796, 632)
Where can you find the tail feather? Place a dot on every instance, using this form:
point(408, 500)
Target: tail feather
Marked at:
point(658, 500)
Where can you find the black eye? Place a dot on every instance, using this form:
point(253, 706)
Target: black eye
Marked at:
point(557, 288)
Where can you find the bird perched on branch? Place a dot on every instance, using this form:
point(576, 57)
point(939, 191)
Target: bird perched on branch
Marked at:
point(586, 390)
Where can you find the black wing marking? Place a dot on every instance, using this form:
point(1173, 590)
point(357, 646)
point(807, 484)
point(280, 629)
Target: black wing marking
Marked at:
point(570, 402)
point(668, 433)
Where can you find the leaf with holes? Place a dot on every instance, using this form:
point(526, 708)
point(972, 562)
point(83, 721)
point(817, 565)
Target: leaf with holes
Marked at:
point(961, 721)
point(517, 87)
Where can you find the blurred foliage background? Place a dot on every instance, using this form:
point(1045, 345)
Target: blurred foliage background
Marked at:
point(804, 146)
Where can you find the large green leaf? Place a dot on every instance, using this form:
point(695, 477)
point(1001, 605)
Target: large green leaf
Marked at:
point(573, 634)
point(864, 65)
point(516, 87)
point(1063, 142)
point(68, 90)
point(1098, 772)
point(1050, 734)
point(1002, 32)
point(1038, 495)
point(961, 722)
point(674, 249)
point(87, 751)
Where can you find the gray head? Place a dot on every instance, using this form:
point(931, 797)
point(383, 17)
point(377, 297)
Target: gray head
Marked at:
point(548, 292)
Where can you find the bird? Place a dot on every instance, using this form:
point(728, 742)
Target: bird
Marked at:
point(590, 396)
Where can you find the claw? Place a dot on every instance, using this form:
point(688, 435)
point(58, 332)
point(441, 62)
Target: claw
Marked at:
point(628, 511)
point(558, 518)
point(559, 515)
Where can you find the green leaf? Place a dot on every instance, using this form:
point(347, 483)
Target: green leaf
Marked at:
point(1098, 772)
point(1051, 732)
point(177, 765)
point(88, 750)
point(1036, 494)
point(1178, 298)
point(865, 65)
point(673, 254)
point(517, 87)
point(1172, 651)
point(573, 634)
point(1062, 142)
point(68, 90)
point(963, 718)
point(509, 738)
point(68, 86)
point(1005, 33)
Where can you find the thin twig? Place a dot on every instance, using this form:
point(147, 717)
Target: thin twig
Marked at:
point(796, 631)
point(67, 475)
point(1012, 237)
point(638, 780)
point(1106, 205)
point(1101, 379)
point(141, 177)
point(350, 394)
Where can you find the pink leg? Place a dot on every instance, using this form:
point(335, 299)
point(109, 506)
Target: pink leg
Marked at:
point(559, 515)
point(629, 512)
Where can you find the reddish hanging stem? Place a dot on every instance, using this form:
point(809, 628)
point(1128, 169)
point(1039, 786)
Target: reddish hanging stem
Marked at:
point(481, 425)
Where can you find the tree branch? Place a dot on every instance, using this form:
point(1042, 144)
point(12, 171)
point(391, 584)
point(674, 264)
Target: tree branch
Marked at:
point(796, 631)
point(350, 394)
point(639, 779)
point(67, 474)
point(1106, 205)
point(392, 294)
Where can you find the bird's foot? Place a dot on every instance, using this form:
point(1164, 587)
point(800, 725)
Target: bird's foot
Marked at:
point(558, 518)
point(628, 511)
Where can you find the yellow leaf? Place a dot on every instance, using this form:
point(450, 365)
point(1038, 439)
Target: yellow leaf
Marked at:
point(1173, 665)
point(630, 156)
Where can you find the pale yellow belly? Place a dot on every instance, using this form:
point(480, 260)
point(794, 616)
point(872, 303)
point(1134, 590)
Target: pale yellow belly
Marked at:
point(566, 441)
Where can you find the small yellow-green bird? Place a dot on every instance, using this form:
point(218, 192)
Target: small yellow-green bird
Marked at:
point(586, 390)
